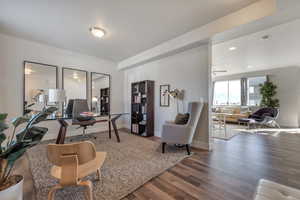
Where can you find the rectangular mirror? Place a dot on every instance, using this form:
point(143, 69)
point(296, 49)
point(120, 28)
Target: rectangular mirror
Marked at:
point(74, 82)
point(100, 93)
point(38, 79)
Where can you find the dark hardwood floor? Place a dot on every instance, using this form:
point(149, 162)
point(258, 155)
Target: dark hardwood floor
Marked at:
point(230, 172)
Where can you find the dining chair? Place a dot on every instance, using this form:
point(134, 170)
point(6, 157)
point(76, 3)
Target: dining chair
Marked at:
point(73, 162)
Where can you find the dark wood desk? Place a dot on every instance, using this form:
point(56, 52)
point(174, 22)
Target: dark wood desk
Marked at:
point(111, 120)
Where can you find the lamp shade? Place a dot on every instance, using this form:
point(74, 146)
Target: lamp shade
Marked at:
point(56, 95)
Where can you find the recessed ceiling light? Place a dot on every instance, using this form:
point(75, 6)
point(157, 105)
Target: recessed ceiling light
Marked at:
point(97, 32)
point(249, 66)
point(232, 48)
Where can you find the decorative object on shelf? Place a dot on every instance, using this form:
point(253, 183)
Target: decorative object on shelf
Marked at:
point(268, 91)
point(142, 108)
point(177, 95)
point(164, 97)
point(15, 146)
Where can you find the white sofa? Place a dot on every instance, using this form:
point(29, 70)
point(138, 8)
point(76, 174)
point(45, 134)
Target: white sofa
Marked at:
point(268, 190)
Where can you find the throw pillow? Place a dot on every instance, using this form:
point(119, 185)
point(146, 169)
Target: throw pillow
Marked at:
point(182, 118)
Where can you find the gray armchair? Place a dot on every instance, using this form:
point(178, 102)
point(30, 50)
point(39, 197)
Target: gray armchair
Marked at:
point(182, 134)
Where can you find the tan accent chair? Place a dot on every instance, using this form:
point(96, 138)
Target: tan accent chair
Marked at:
point(73, 162)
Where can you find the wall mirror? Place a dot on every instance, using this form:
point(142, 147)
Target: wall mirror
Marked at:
point(38, 79)
point(100, 93)
point(74, 82)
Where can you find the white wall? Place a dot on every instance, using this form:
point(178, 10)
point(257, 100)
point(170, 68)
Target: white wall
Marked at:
point(288, 92)
point(14, 51)
point(188, 71)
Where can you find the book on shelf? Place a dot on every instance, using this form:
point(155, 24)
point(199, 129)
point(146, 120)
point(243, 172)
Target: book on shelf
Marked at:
point(135, 128)
point(137, 99)
point(144, 109)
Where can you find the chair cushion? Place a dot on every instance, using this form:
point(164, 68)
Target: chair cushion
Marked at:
point(182, 118)
point(268, 190)
point(84, 169)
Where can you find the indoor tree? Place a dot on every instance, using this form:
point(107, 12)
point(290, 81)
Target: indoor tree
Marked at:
point(268, 92)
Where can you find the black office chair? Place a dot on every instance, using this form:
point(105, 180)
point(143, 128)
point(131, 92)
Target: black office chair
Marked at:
point(79, 106)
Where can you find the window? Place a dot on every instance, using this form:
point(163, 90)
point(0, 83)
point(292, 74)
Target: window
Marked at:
point(221, 93)
point(227, 92)
point(234, 92)
point(253, 90)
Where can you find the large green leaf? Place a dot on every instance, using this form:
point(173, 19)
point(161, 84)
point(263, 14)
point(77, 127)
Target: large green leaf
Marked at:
point(3, 126)
point(35, 133)
point(3, 116)
point(21, 134)
point(20, 120)
point(42, 116)
point(12, 157)
point(27, 137)
point(2, 138)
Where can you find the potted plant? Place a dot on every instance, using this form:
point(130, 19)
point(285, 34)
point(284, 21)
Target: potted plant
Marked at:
point(268, 92)
point(14, 146)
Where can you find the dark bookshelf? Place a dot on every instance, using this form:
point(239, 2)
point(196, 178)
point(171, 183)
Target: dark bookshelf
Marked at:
point(104, 101)
point(142, 108)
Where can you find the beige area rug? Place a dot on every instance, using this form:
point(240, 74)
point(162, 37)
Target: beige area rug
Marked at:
point(129, 165)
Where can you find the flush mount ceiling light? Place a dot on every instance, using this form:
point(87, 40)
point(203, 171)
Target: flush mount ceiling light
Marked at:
point(97, 32)
point(232, 48)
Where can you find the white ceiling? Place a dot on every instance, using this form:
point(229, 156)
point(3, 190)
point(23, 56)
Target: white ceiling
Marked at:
point(253, 53)
point(132, 26)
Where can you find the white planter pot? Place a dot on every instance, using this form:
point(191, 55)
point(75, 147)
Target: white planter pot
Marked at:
point(14, 192)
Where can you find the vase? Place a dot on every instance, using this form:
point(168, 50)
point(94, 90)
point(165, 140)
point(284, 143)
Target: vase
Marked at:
point(14, 192)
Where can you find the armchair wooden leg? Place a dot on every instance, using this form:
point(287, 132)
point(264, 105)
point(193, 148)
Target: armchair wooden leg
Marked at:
point(163, 147)
point(98, 174)
point(89, 189)
point(188, 149)
point(52, 192)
